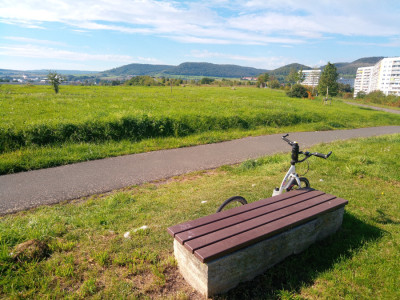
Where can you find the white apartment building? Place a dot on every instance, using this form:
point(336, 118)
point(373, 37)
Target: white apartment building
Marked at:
point(383, 76)
point(311, 77)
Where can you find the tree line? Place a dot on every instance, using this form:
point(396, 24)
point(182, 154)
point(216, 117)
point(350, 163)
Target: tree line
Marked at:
point(327, 85)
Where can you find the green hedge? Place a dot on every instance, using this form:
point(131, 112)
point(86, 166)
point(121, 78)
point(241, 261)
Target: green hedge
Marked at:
point(141, 127)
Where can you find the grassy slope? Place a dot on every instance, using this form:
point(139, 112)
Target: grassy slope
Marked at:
point(91, 257)
point(210, 113)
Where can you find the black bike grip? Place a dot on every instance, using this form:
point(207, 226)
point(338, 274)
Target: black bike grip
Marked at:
point(323, 155)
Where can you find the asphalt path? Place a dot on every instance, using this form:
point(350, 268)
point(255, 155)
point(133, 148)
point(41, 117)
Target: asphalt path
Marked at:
point(26, 190)
point(393, 111)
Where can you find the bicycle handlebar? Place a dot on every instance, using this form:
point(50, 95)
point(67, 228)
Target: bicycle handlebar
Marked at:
point(318, 154)
point(296, 151)
point(322, 155)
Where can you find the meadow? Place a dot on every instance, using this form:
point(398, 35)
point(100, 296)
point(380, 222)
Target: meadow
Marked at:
point(39, 128)
point(115, 246)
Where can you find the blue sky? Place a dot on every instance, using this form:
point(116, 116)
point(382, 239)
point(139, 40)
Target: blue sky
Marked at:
point(99, 35)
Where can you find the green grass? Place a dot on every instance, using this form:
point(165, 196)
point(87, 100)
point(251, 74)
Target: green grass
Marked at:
point(90, 257)
point(40, 129)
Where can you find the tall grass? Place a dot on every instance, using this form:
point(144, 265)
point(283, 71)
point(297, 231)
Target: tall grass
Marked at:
point(33, 119)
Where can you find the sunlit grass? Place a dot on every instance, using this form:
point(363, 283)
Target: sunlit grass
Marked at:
point(92, 254)
point(40, 129)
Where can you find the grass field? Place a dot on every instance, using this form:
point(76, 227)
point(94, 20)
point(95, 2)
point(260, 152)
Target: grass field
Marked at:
point(91, 254)
point(40, 129)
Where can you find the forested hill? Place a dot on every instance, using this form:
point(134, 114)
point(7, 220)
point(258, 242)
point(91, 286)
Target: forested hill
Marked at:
point(285, 70)
point(215, 70)
point(186, 69)
point(202, 69)
point(351, 68)
point(136, 69)
point(229, 71)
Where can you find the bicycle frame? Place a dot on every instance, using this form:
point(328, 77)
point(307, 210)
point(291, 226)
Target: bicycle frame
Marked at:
point(291, 174)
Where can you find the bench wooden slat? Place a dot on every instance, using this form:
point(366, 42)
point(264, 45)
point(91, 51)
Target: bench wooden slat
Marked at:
point(214, 237)
point(247, 238)
point(247, 215)
point(173, 230)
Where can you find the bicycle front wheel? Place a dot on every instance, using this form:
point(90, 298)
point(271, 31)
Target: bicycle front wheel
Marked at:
point(303, 184)
point(231, 203)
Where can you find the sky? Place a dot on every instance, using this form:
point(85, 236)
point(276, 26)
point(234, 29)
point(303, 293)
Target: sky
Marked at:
point(98, 35)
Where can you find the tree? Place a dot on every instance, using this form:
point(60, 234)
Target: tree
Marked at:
point(295, 76)
point(55, 80)
point(345, 88)
point(327, 81)
point(262, 80)
point(274, 84)
point(142, 80)
point(206, 80)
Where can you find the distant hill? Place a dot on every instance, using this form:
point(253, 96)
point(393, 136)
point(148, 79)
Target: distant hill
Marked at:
point(204, 69)
point(136, 69)
point(185, 69)
point(351, 68)
point(213, 70)
point(285, 70)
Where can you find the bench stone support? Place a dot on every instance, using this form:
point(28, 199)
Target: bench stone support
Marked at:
point(223, 274)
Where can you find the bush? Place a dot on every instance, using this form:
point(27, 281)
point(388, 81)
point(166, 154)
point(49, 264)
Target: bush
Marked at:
point(298, 91)
point(206, 80)
point(361, 95)
point(142, 81)
point(379, 97)
point(348, 96)
point(274, 84)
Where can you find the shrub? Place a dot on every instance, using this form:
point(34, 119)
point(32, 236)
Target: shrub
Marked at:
point(274, 84)
point(206, 80)
point(347, 95)
point(361, 95)
point(298, 91)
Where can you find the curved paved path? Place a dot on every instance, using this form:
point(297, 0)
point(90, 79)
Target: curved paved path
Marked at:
point(48, 186)
point(393, 111)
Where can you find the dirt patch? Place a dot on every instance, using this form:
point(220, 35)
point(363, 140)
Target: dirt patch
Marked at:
point(176, 287)
point(189, 177)
point(30, 250)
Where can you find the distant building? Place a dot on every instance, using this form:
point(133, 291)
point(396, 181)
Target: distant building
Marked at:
point(383, 76)
point(311, 77)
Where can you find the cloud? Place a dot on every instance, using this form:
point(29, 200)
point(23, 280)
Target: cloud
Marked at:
point(33, 41)
point(40, 52)
point(251, 22)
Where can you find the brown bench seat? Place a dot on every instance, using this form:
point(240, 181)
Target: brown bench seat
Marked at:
point(225, 234)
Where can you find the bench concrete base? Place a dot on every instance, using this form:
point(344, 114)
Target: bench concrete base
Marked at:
point(224, 273)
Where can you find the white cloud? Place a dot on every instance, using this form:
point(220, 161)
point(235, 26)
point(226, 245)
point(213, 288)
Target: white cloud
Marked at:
point(194, 22)
point(41, 52)
point(220, 22)
point(33, 41)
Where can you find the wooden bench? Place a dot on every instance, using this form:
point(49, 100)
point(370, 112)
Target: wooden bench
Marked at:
point(216, 252)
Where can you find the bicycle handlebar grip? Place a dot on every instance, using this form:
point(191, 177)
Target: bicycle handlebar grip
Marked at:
point(323, 155)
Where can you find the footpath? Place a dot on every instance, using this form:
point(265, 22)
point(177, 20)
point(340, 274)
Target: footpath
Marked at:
point(26, 190)
point(393, 111)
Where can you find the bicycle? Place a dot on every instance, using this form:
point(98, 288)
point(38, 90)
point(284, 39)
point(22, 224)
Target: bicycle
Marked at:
point(291, 180)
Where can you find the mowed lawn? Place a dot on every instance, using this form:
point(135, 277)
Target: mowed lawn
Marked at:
point(116, 246)
point(39, 128)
